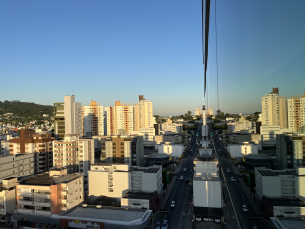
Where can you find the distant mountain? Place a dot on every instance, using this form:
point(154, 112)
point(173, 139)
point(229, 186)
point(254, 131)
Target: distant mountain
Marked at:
point(24, 109)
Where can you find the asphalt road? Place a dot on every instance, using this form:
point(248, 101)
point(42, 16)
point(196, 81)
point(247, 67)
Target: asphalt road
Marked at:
point(181, 192)
point(238, 195)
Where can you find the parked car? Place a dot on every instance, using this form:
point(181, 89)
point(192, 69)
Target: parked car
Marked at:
point(232, 179)
point(158, 225)
point(181, 178)
point(164, 225)
point(245, 208)
point(173, 204)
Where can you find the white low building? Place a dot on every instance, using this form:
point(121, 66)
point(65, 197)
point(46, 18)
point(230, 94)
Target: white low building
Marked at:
point(114, 180)
point(174, 150)
point(287, 183)
point(241, 150)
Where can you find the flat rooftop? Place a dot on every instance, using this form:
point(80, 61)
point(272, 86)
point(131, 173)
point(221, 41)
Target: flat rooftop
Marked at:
point(114, 214)
point(145, 170)
point(205, 158)
point(286, 202)
point(44, 179)
point(275, 172)
point(139, 195)
point(106, 201)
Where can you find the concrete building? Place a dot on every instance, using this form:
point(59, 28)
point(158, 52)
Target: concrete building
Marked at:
point(7, 199)
point(92, 119)
point(5, 147)
point(290, 151)
point(296, 113)
point(270, 109)
point(207, 190)
point(119, 119)
point(89, 216)
point(284, 222)
point(210, 112)
point(125, 149)
point(67, 117)
point(49, 193)
point(198, 112)
point(238, 138)
point(283, 112)
point(100, 146)
point(143, 114)
point(172, 138)
point(148, 135)
point(40, 144)
point(119, 178)
point(18, 165)
point(286, 183)
point(74, 153)
point(241, 125)
point(170, 127)
point(268, 134)
point(174, 150)
point(244, 149)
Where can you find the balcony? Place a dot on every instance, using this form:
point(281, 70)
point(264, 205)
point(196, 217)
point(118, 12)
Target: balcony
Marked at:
point(25, 210)
point(110, 183)
point(64, 201)
point(25, 202)
point(26, 194)
point(42, 212)
point(43, 204)
point(43, 195)
point(65, 192)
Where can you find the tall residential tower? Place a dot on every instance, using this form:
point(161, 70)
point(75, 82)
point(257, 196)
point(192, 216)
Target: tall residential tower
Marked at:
point(92, 119)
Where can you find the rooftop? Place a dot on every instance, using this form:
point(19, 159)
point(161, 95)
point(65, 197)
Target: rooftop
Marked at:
point(159, 155)
point(206, 177)
point(139, 195)
point(106, 201)
point(286, 202)
point(267, 172)
point(113, 214)
point(44, 179)
point(145, 170)
point(205, 158)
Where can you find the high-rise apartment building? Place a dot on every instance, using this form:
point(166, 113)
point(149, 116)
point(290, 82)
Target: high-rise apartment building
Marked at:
point(119, 119)
point(92, 119)
point(125, 149)
point(198, 112)
point(40, 144)
point(142, 114)
point(67, 117)
point(74, 153)
point(296, 113)
point(270, 109)
point(283, 111)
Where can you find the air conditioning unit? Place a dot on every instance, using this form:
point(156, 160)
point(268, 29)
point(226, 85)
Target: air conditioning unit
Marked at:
point(85, 205)
point(98, 206)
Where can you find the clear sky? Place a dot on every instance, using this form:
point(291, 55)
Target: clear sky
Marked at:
point(108, 50)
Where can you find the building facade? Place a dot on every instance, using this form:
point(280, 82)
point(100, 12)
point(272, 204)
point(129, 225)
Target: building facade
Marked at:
point(296, 113)
point(125, 149)
point(92, 119)
point(49, 193)
point(67, 117)
point(7, 199)
point(119, 119)
point(119, 178)
point(18, 165)
point(74, 153)
point(270, 109)
point(148, 135)
point(143, 114)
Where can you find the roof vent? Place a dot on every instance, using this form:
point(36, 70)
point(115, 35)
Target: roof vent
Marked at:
point(85, 205)
point(98, 206)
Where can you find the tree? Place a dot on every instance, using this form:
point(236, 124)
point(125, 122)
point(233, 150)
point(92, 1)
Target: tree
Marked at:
point(218, 112)
point(185, 127)
point(189, 113)
point(157, 119)
point(248, 118)
point(227, 115)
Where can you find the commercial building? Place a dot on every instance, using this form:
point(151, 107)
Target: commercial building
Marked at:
point(268, 134)
point(100, 146)
point(241, 150)
point(296, 113)
point(40, 144)
point(125, 149)
point(49, 193)
point(119, 178)
point(143, 114)
point(207, 189)
point(174, 150)
point(148, 136)
point(74, 153)
point(7, 199)
point(92, 119)
point(67, 117)
point(284, 222)
point(17, 165)
point(286, 183)
point(290, 151)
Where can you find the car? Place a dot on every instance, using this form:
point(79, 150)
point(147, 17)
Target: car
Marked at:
point(184, 170)
point(232, 179)
point(164, 225)
point(158, 225)
point(228, 170)
point(245, 208)
point(181, 178)
point(173, 204)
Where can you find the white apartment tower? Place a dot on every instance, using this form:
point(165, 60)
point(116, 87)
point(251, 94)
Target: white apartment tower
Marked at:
point(143, 114)
point(92, 119)
point(270, 109)
point(296, 112)
point(67, 117)
point(119, 119)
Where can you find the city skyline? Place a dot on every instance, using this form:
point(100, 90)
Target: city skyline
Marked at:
point(108, 51)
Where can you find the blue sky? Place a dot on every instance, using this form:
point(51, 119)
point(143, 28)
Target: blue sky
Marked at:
point(108, 50)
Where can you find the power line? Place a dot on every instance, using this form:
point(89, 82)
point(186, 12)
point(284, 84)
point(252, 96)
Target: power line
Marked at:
point(216, 56)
